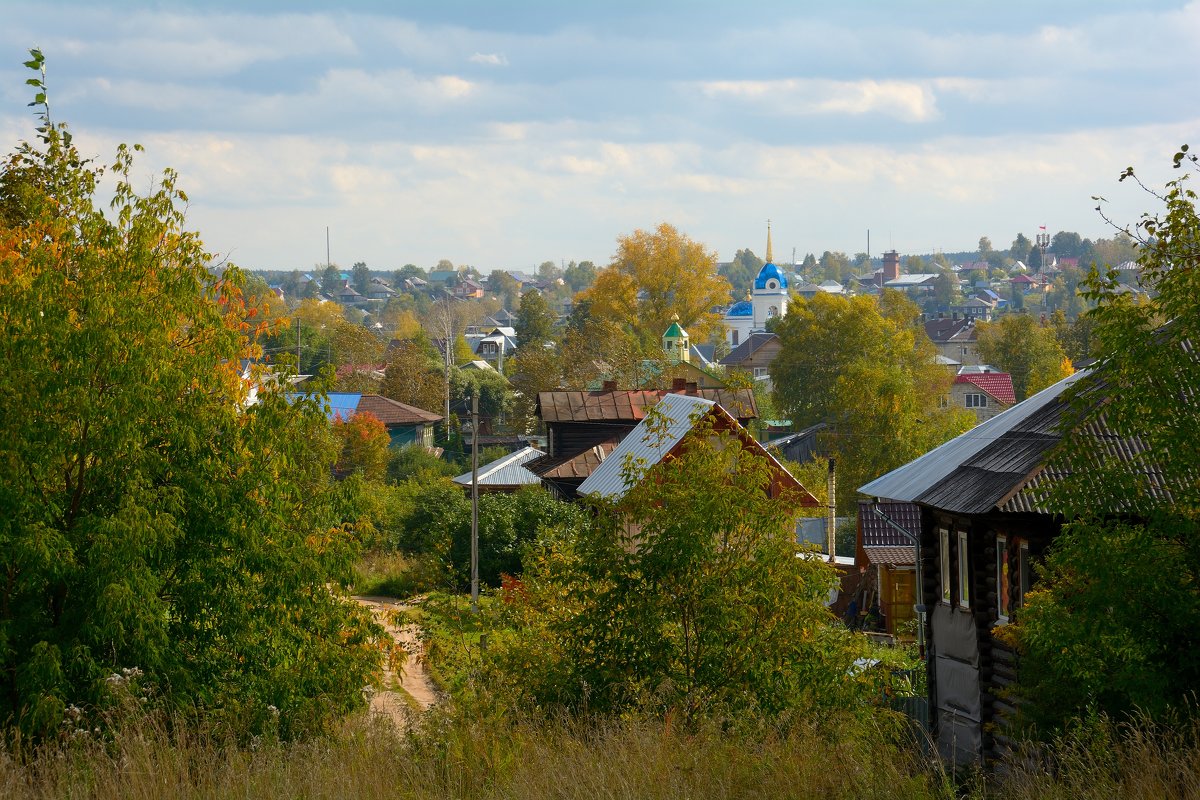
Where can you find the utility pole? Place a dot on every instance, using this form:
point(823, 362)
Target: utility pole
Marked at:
point(831, 513)
point(297, 345)
point(475, 502)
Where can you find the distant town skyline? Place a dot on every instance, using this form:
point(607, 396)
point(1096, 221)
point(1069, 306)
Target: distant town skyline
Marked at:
point(505, 135)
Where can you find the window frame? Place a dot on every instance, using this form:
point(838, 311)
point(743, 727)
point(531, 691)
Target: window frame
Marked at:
point(964, 570)
point(1003, 576)
point(944, 559)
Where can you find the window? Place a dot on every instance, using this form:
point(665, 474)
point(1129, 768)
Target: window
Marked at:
point(773, 311)
point(1024, 575)
point(964, 572)
point(976, 400)
point(1002, 586)
point(944, 401)
point(772, 285)
point(760, 372)
point(733, 333)
point(944, 543)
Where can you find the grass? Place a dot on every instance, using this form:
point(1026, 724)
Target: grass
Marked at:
point(452, 637)
point(452, 758)
point(388, 573)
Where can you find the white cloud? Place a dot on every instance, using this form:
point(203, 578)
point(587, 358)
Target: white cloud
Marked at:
point(489, 59)
point(904, 100)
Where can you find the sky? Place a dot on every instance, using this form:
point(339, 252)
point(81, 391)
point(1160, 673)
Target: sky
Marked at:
point(505, 134)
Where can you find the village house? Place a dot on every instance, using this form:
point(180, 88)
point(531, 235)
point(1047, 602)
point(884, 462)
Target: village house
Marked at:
point(405, 424)
point(983, 523)
point(954, 337)
point(663, 435)
point(983, 391)
point(583, 428)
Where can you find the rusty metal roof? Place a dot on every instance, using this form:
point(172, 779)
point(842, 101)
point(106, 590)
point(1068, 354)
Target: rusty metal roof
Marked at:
point(391, 412)
point(578, 465)
point(632, 405)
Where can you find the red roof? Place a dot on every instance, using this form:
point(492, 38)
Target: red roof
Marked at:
point(1020, 279)
point(997, 384)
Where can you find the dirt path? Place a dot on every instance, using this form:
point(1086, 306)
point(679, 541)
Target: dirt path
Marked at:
point(412, 691)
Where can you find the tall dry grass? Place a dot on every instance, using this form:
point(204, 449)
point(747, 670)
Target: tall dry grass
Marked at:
point(1101, 759)
point(456, 758)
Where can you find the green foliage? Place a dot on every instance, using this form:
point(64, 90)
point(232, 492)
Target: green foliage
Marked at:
point(535, 322)
point(1119, 601)
point(150, 521)
point(686, 594)
point(1120, 605)
point(416, 462)
point(439, 523)
point(741, 272)
point(492, 388)
point(868, 369)
point(1018, 345)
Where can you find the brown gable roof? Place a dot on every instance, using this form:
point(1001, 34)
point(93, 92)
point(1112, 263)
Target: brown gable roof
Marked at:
point(632, 405)
point(578, 466)
point(747, 348)
point(391, 412)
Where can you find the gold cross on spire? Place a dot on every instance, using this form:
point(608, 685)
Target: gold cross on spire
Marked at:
point(770, 258)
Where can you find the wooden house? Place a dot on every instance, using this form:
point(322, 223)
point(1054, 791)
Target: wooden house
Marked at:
point(405, 424)
point(583, 428)
point(653, 441)
point(981, 526)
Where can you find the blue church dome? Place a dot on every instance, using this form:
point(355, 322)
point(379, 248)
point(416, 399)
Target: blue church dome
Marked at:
point(742, 308)
point(768, 272)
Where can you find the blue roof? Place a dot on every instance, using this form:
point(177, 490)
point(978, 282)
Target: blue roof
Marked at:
point(343, 404)
point(767, 272)
point(742, 308)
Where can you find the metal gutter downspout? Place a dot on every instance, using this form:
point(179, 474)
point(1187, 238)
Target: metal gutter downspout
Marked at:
point(920, 605)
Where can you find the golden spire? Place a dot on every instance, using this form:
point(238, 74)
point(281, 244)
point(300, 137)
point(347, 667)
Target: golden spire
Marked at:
point(770, 258)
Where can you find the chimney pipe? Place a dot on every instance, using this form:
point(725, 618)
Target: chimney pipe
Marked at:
point(609, 386)
point(678, 384)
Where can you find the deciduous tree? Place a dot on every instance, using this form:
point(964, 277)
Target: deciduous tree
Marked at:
point(867, 368)
point(151, 521)
point(658, 276)
point(1018, 345)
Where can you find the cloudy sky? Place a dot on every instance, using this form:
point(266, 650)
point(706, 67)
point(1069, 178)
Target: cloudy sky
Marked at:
point(504, 134)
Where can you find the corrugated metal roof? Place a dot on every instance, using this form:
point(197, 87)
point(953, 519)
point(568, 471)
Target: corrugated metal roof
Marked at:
point(508, 470)
point(910, 482)
point(647, 444)
point(342, 405)
point(577, 465)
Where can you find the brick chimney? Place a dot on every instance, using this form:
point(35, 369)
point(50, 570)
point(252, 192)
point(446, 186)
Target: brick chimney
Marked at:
point(678, 384)
point(891, 266)
point(609, 386)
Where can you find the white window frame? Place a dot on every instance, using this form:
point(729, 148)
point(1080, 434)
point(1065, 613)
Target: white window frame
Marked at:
point(1002, 579)
point(964, 571)
point(976, 400)
point(760, 372)
point(944, 559)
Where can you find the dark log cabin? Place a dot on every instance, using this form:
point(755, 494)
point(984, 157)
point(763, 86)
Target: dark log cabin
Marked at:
point(981, 527)
point(583, 428)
